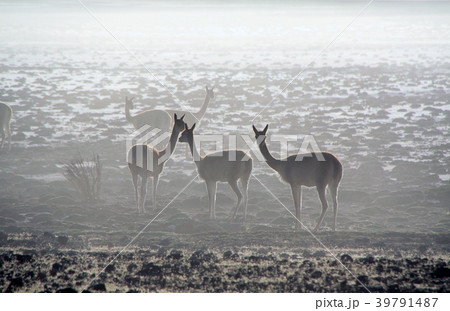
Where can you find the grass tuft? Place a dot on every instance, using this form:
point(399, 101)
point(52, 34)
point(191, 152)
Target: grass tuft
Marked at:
point(85, 176)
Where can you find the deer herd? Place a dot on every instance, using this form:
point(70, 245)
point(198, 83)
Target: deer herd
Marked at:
point(320, 170)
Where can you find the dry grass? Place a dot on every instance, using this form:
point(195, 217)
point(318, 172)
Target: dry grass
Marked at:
point(85, 176)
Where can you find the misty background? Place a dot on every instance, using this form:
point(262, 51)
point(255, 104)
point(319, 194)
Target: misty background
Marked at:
point(377, 98)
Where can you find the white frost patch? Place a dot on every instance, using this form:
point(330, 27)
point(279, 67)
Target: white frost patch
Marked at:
point(444, 177)
point(45, 177)
point(388, 167)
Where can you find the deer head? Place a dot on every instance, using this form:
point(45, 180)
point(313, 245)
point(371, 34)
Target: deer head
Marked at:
point(188, 134)
point(129, 102)
point(260, 133)
point(209, 92)
point(179, 123)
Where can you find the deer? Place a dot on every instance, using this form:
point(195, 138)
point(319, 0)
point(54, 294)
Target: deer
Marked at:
point(228, 166)
point(6, 113)
point(313, 170)
point(155, 118)
point(162, 118)
point(192, 118)
point(145, 160)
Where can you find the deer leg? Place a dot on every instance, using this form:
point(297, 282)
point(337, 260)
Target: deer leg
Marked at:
point(323, 199)
point(334, 190)
point(155, 186)
point(244, 184)
point(234, 186)
point(3, 137)
point(134, 178)
point(212, 187)
point(295, 190)
point(298, 211)
point(143, 191)
point(8, 132)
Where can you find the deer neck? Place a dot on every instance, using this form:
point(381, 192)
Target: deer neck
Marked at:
point(194, 152)
point(128, 116)
point(170, 148)
point(270, 160)
point(202, 110)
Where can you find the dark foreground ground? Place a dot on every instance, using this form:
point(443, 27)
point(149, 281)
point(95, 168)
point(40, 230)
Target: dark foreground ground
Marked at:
point(233, 262)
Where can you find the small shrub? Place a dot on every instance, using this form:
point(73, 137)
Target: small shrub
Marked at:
point(85, 176)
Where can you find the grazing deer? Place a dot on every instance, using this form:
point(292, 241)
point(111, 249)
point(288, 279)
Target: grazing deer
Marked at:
point(145, 160)
point(155, 118)
point(306, 170)
point(227, 166)
point(5, 119)
point(192, 118)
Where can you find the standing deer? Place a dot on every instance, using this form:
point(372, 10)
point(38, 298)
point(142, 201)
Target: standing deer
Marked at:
point(309, 172)
point(5, 119)
point(227, 166)
point(155, 118)
point(145, 160)
point(162, 119)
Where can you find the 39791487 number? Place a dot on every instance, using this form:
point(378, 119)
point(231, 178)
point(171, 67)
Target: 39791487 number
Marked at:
point(408, 303)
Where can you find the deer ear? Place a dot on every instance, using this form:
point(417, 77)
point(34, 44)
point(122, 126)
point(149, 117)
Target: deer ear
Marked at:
point(185, 126)
point(265, 129)
point(175, 115)
point(193, 127)
point(182, 117)
point(254, 129)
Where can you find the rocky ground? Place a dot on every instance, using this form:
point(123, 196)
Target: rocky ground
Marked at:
point(240, 262)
